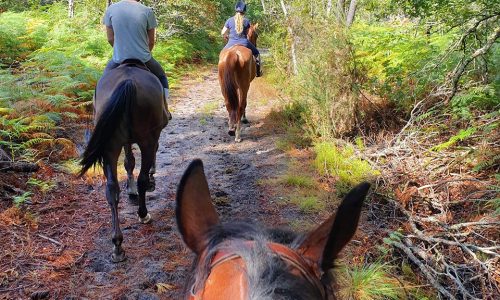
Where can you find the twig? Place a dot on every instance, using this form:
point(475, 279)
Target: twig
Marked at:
point(50, 239)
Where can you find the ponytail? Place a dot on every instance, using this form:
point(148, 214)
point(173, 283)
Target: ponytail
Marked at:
point(238, 21)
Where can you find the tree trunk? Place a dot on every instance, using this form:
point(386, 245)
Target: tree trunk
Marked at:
point(263, 6)
point(71, 8)
point(292, 36)
point(340, 10)
point(351, 13)
point(329, 7)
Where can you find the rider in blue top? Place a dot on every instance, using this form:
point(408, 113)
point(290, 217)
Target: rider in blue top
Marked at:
point(238, 29)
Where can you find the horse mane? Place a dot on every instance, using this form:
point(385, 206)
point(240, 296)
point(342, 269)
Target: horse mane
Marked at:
point(268, 276)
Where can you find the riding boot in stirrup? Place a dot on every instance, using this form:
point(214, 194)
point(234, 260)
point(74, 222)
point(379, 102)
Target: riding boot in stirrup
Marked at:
point(257, 62)
point(167, 100)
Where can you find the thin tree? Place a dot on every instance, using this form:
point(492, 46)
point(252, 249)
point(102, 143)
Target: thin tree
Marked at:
point(292, 36)
point(351, 13)
point(71, 8)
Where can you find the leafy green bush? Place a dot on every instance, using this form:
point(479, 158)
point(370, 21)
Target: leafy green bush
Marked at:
point(398, 61)
point(20, 34)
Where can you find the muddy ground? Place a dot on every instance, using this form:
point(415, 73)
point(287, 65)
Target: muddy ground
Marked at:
point(60, 246)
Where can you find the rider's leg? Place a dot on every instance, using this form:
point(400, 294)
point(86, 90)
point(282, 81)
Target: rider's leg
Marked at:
point(256, 54)
point(156, 69)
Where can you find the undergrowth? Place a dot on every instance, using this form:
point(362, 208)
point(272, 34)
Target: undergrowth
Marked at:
point(342, 164)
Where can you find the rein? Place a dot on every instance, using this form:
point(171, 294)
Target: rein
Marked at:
point(308, 270)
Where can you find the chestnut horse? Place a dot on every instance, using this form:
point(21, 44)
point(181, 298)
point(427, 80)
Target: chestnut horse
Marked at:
point(237, 69)
point(129, 108)
point(243, 261)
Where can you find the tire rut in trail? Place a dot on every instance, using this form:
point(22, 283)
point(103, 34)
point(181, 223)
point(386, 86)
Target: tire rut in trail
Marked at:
point(155, 252)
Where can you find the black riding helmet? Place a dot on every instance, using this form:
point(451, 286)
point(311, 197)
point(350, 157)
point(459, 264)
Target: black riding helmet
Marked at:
point(240, 7)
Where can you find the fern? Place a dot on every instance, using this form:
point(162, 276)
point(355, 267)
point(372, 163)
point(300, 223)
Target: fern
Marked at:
point(489, 163)
point(460, 136)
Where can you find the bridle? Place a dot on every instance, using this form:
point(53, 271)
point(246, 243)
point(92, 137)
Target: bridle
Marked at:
point(226, 252)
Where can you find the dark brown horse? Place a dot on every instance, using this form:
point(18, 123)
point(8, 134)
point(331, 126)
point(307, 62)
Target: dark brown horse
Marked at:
point(243, 261)
point(129, 108)
point(237, 69)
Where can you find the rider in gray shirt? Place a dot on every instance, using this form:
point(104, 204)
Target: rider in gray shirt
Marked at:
point(130, 28)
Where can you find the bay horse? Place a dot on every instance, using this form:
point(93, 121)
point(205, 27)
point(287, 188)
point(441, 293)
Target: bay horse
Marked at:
point(129, 107)
point(237, 68)
point(244, 261)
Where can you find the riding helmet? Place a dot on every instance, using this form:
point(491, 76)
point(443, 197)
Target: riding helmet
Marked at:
point(240, 7)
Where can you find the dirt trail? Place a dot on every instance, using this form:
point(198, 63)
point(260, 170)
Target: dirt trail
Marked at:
point(155, 252)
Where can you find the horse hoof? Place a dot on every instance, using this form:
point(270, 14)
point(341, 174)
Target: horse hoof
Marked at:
point(133, 199)
point(116, 258)
point(146, 220)
point(244, 121)
point(231, 132)
point(237, 140)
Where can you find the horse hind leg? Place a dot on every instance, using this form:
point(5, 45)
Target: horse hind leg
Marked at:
point(147, 161)
point(129, 164)
point(113, 198)
point(241, 114)
point(233, 120)
point(152, 172)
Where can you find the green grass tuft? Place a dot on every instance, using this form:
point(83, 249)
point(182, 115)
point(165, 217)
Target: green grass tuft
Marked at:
point(342, 163)
point(368, 282)
point(310, 204)
point(298, 181)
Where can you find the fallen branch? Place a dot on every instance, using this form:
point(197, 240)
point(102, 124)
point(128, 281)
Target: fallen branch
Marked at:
point(18, 166)
point(460, 69)
point(430, 277)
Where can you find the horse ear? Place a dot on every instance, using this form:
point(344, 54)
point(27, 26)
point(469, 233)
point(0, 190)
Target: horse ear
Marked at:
point(195, 212)
point(323, 244)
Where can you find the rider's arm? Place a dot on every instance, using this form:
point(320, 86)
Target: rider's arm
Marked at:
point(111, 35)
point(151, 38)
point(224, 31)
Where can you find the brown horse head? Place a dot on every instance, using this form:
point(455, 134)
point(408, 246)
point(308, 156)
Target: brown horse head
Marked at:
point(244, 261)
point(252, 34)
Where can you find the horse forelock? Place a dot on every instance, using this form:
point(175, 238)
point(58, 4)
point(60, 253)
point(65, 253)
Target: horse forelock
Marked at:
point(269, 277)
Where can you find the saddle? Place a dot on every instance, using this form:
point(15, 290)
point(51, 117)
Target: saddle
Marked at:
point(134, 63)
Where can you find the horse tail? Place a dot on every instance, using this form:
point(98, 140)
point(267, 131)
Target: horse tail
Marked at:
point(118, 106)
point(230, 85)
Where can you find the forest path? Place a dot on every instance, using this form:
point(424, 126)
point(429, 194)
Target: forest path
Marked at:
point(157, 260)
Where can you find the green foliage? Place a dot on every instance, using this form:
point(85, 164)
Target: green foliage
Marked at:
point(460, 136)
point(20, 35)
point(342, 164)
point(22, 199)
point(368, 282)
point(43, 186)
point(398, 61)
point(477, 98)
